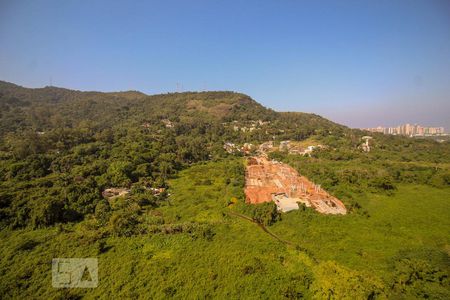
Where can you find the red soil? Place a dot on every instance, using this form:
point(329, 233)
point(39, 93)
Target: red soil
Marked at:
point(264, 178)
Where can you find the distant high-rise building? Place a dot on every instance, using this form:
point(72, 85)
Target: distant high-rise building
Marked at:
point(409, 130)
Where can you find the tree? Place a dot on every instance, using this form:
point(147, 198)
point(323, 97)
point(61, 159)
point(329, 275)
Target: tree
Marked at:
point(119, 173)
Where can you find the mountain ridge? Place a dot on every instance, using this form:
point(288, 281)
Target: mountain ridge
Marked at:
point(205, 106)
point(12, 89)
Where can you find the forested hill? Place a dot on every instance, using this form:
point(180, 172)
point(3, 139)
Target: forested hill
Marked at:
point(59, 148)
point(34, 108)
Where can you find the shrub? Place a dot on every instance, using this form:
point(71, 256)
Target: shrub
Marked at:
point(382, 183)
point(47, 212)
point(124, 222)
point(265, 213)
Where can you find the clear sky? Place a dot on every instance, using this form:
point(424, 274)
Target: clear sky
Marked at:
point(360, 63)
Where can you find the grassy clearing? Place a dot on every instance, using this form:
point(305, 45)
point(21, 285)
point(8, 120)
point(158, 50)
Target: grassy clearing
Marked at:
point(359, 256)
point(416, 217)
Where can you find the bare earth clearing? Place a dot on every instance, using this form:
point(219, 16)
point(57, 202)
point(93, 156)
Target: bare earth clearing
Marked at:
point(267, 181)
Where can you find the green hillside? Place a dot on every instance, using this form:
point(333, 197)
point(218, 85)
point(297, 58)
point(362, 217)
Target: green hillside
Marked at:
point(197, 249)
point(196, 238)
point(70, 145)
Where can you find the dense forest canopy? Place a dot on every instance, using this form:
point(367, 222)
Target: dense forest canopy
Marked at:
point(60, 150)
point(71, 145)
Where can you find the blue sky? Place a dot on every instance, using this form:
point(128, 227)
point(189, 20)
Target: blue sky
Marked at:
point(360, 63)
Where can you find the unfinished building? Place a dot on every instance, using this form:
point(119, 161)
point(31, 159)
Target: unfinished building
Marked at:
point(267, 181)
point(112, 193)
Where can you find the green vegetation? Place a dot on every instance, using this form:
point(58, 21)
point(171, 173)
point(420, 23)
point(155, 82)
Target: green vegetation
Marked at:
point(348, 172)
point(197, 249)
point(183, 229)
point(60, 148)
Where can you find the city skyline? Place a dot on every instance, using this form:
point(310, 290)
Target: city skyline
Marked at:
point(409, 130)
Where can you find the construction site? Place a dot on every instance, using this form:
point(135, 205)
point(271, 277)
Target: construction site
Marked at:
point(267, 180)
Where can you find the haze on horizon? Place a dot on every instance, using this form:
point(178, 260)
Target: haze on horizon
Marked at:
point(359, 64)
